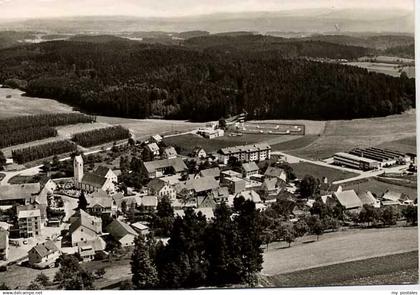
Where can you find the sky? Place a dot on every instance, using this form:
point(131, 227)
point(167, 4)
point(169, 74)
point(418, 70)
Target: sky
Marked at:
point(172, 8)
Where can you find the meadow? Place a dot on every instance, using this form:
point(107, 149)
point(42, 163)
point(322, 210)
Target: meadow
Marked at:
point(304, 168)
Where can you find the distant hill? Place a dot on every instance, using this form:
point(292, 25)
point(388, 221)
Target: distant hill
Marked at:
point(309, 20)
point(97, 38)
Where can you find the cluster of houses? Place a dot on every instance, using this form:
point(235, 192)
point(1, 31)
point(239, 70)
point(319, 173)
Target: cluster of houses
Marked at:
point(251, 177)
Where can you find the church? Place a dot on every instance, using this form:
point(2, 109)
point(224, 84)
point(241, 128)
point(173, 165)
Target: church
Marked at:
point(102, 178)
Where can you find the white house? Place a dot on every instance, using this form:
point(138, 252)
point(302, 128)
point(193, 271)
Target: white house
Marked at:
point(86, 230)
point(44, 255)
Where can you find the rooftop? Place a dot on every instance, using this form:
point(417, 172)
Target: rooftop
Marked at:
point(245, 148)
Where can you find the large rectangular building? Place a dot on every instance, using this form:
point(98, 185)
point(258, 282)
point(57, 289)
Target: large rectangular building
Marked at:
point(246, 153)
point(356, 162)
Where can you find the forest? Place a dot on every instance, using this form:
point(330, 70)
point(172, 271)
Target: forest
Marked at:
point(23, 129)
point(208, 78)
point(100, 136)
point(41, 151)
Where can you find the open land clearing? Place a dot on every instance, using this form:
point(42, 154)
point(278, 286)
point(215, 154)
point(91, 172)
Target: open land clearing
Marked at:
point(385, 270)
point(304, 168)
point(385, 68)
point(339, 247)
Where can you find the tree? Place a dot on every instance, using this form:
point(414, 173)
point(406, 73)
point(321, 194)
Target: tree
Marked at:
point(3, 286)
point(315, 226)
point(82, 202)
point(286, 232)
point(329, 223)
point(410, 214)
point(126, 285)
point(308, 186)
point(369, 214)
point(35, 286)
point(164, 218)
point(42, 279)
point(143, 269)
point(249, 239)
point(100, 272)
point(389, 215)
point(124, 206)
point(2, 160)
point(300, 228)
point(71, 276)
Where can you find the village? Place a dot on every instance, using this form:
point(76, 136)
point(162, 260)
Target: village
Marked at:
point(100, 210)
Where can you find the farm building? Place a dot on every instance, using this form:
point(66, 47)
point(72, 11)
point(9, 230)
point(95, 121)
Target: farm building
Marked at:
point(367, 198)
point(356, 162)
point(160, 168)
point(122, 232)
point(22, 194)
point(348, 200)
point(383, 156)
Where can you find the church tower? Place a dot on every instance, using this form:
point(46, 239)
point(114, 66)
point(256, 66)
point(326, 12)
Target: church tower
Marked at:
point(78, 170)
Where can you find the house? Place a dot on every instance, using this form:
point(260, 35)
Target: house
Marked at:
point(252, 152)
point(100, 203)
point(122, 233)
point(210, 172)
point(159, 188)
point(367, 198)
point(29, 222)
point(348, 200)
point(235, 184)
point(151, 151)
point(42, 209)
point(394, 198)
point(86, 230)
point(4, 244)
point(270, 187)
point(160, 168)
point(249, 195)
point(275, 172)
point(155, 138)
point(169, 153)
point(198, 186)
point(198, 152)
point(249, 169)
point(44, 255)
point(220, 195)
point(87, 253)
point(19, 194)
point(149, 202)
point(102, 178)
point(140, 228)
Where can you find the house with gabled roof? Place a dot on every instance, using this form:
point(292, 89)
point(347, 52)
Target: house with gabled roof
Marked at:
point(275, 172)
point(348, 199)
point(249, 195)
point(210, 172)
point(199, 186)
point(100, 203)
point(164, 167)
point(19, 194)
point(122, 233)
point(249, 169)
point(169, 153)
point(198, 152)
point(155, 138)
point(86, 229)
point(44, 255)
point(367, 198)
point(160, 188)
point(151, 151)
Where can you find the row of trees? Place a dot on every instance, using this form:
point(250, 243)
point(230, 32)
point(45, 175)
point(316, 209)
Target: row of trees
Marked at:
point(199, 253)
point(137, 80)
point(23, 129)
point(100, 136)
point(37, 152)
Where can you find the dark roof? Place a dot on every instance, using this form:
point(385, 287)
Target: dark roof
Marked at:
point(118, 229)
point(101, 171)
point(274, 171)
point(177, 163)
point(93, 180)
point(251, 166)
point(85, 220)
point(245, 148)
point(156, 185)
point(45, 248)
point(19, 191)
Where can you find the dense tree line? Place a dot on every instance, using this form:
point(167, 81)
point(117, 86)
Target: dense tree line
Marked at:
point(100, 136)
point(23, 129)
point(268, 79)
point(199, 253)
point(37, 152)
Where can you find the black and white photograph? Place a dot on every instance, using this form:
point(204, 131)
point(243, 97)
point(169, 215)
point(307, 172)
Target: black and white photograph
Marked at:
point(207, 145)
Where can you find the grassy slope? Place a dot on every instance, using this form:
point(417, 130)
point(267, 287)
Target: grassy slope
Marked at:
point(391, 269)
point(301, 169)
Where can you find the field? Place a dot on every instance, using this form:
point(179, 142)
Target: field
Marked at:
point(66, 132)
point(405, 145)
point(386, 270)
point(385, 68)
point(340, 247)
point(273, 128)
point(344, 135)
point(379, 187)
point(303, 168)
point(18, 105)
